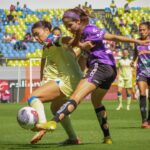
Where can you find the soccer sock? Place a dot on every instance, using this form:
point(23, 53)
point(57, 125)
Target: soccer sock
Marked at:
point(128, 99)
point(38, 105)
point(102, 118)
point(148, 110)
point(143, 107)
point(66, 123)
point(65, 110)
point(120, 98)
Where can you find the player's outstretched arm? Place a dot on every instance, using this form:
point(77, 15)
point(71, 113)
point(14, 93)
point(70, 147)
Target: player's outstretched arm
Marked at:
point(118, 38)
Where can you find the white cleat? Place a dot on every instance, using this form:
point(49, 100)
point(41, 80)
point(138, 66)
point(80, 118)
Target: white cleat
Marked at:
point(128, 107)
point(119, 107)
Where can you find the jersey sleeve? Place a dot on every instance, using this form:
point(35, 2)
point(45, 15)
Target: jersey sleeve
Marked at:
point(93, 33)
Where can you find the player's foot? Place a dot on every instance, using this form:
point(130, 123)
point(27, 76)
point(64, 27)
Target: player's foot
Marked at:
point(50, 125)
point(128, 107)
point(38, 136)
point(71, 142)
point(119, 107)
point(145, 125)
point(107, 140)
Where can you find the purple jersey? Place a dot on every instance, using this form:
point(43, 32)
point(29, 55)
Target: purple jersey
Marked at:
point(143, 64)
point(99, 52)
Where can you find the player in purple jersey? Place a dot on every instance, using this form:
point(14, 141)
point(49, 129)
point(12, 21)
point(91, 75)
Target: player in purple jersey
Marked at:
point(142, 54)
point(101, 68)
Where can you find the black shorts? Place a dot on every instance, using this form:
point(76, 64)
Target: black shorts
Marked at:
point(102, 75)
point(145, 79)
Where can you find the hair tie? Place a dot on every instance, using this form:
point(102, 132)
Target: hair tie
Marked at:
point(70, 14)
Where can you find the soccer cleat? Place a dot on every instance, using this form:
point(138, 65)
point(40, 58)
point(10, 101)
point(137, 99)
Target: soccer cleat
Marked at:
point(107, 140)
point(71, 142)
point(38, 136)
point(50, 125)
point(145, 125)
point(119, 107)
point(128, 107)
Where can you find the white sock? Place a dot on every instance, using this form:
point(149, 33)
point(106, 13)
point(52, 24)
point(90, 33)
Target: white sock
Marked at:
point(38, 105)
point(120, 100)
point(128, 100)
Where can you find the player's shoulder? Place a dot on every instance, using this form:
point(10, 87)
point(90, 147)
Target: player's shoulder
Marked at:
point(91, 28)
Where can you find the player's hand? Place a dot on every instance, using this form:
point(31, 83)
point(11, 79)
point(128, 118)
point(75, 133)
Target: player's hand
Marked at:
point(86, 45)
point(67, 40)
point(143, 42)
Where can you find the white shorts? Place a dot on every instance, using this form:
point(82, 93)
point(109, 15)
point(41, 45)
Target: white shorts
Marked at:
point(125, 83)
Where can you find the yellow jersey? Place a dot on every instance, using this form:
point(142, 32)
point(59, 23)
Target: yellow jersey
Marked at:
point(125, 69)
point(61, 65)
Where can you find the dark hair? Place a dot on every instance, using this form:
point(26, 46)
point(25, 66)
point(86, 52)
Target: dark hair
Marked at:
point(80, 13)
point(125, 49)
point(74, 14)
point(42, 24)
point(56, 28)
point(146, 24)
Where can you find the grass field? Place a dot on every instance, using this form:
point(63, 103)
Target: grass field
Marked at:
point(124, 126)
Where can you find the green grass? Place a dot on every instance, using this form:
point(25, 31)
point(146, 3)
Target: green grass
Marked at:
point(124, 126)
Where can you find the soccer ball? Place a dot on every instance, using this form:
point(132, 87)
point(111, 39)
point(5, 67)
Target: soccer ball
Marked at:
point(27, 117)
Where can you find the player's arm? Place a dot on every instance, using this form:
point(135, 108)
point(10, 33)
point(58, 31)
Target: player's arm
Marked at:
point(135, 57)
point(144, 52)
point(87, 45)
point(118, 38)
point(42, 67)
point(77, 51)
point(67, 40)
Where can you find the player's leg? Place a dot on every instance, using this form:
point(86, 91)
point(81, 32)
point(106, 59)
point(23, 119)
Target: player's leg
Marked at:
point(101, 114)
point(120, 105)
point(98, 76)
point(142, 88)
point(48, 92)
point(129, 96)
point(38, 136)
point(66, 123)
point(148, 119)
point(83, 89)
point(45, 93)
point(128, 87)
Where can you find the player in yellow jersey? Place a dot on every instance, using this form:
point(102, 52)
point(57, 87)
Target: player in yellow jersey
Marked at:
point(60, 74)
point(124, 79)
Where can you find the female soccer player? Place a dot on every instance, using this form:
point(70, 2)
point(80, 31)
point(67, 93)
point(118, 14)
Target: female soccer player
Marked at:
point(101, 68)
point(142, 52)
point(124, 78)
point(60, 74)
